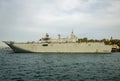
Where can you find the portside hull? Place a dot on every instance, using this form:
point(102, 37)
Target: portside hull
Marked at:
point(60, 48)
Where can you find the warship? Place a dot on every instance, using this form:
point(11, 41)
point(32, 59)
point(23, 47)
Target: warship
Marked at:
point(59, 45)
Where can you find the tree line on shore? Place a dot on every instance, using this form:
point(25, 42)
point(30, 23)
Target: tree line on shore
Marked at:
point(106, 41)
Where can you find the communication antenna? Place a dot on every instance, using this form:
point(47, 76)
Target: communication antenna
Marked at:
point(59, 36)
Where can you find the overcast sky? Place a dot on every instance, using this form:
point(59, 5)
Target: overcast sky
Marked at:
point(27, 20)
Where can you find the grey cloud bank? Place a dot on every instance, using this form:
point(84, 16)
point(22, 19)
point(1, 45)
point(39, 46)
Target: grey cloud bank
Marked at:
point(27, 20)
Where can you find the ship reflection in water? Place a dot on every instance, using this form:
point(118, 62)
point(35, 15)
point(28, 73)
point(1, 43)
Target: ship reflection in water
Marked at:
point(59, 67)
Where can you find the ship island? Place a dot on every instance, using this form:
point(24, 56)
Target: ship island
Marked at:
point(59, 45)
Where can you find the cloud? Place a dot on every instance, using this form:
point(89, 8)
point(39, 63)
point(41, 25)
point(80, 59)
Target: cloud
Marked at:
point(35, 17)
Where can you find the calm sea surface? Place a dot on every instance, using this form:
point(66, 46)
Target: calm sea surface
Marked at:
point(59, 67)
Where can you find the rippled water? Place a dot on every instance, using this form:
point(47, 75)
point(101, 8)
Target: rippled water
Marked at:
point(59, 67)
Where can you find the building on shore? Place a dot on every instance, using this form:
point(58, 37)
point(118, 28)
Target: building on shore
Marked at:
point(2, 47)
point(115, 48)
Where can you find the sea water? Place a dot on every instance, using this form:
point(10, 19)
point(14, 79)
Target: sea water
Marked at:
point(59, 67)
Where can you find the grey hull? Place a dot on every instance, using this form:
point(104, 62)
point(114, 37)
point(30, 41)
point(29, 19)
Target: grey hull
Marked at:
point(16, 49)
point(68, 48)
